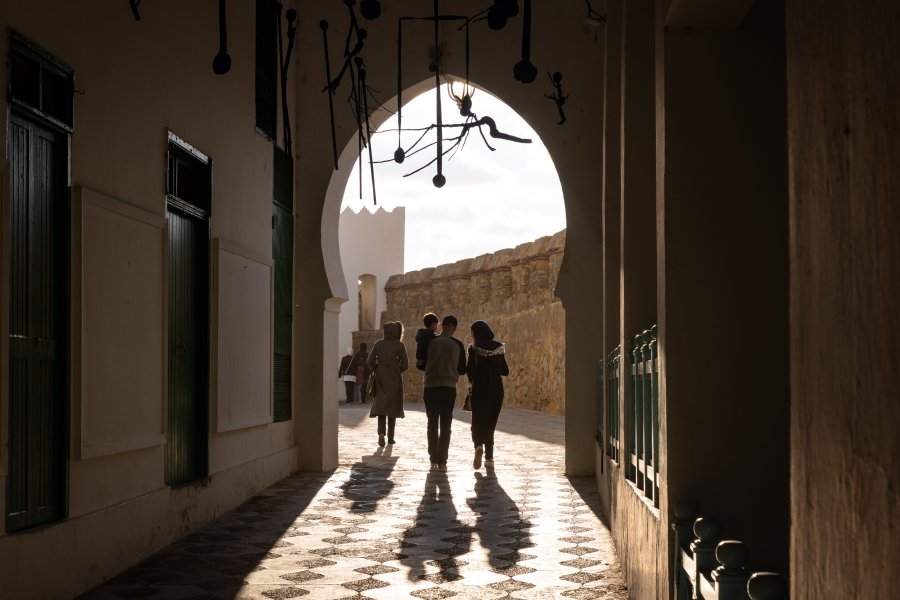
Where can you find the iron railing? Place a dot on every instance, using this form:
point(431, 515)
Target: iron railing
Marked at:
point(709, 568)
point(642, 413)
point(613, 376)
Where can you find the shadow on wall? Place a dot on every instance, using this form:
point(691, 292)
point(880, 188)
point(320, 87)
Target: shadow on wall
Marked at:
point(513, 290)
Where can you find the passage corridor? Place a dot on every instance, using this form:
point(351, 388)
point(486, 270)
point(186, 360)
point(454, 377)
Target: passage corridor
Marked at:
point(384, 526)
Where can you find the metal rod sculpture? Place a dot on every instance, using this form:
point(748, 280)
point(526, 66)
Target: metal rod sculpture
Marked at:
point(134, 9)
point(496, 16)
point(284, 63)
point(557, 96)
point(222, 61)
point(323, 25)
point(438, 180)
point(524, 71)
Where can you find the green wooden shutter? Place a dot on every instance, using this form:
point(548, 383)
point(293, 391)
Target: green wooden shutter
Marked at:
point(283, 262)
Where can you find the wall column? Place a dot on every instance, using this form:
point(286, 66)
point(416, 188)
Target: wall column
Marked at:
point(723, 278)
point(843, 85)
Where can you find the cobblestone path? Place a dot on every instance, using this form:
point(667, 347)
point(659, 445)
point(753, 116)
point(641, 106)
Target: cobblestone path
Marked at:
point(384, 526)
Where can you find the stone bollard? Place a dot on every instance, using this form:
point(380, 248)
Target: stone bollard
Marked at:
point(731, 576)
point(708, 532)
point(767, 586)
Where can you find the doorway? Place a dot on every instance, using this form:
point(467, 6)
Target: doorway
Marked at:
point(38, 148)
point(189, 190)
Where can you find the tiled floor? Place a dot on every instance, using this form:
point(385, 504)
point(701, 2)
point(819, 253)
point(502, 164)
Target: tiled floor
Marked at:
point(384, 526)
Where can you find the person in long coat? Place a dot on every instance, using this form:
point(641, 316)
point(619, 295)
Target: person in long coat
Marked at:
point(387, 360)
point(485, 368)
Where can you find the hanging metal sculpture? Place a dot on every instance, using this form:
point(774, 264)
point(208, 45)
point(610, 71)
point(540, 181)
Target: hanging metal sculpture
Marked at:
point(284, 60)
point(524, 70)
point(497, 15)
point(323, 25)
point(557, 96)
point(222, 61)
point(134, 9)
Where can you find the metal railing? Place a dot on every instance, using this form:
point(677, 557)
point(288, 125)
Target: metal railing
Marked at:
point(613, 376)
point(642, 413)
point(709, 568)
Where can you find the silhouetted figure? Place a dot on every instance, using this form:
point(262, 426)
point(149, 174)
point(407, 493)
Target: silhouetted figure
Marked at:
point(387, 361)
point(446, 361)
point(345, 375)
point(485, 368)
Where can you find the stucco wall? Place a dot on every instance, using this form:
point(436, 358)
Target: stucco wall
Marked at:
point(135, 80)
point(372, 243)
point(844, 81)
point(512, 290)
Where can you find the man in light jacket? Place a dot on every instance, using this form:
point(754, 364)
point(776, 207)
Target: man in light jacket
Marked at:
point(446, 361)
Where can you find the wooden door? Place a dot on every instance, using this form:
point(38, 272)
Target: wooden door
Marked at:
point(186, 450)
point(38, 340)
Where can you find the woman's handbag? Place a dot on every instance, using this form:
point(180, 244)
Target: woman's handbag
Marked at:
point(370, 387)
point(467, 403)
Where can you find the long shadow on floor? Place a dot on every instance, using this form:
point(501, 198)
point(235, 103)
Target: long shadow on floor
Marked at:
point(370, 481)
point(213, 561)
point(502, 530)
point(436, 520)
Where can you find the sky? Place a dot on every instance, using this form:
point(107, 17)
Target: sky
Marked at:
point(491, 201)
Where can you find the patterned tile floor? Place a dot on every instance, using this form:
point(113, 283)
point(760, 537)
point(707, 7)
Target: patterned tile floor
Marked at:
point(383, 526)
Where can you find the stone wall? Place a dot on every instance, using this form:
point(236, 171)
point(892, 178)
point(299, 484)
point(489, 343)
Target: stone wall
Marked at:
point(513, 290)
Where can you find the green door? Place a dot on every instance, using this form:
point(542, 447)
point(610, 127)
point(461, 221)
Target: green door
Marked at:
point(283, 259)
point(186, 450)
point(283, 266)
point(37, 324)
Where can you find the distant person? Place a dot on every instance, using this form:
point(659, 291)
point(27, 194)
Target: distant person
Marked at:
point(387, 361)
point(485, 368)
point(424, 337)
point(361, 360)
point(346, 376)
point(445, 362)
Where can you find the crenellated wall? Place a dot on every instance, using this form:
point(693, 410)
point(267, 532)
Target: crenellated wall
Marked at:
point(512, 290)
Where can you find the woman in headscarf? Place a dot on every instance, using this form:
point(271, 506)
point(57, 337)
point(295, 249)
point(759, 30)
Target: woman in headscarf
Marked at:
point(386, 361)
point(485, 367)
point(346, 376)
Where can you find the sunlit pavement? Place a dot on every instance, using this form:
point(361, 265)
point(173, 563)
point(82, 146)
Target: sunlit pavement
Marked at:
point(384, 526)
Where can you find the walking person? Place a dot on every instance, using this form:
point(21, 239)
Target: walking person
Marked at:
point(387, 361)
point(346, 376)
point(445, 362)
point(424, 337)
point(485, 368)
point(361, 360)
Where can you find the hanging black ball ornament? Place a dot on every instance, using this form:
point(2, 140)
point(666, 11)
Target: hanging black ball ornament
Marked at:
point(399, 155)
point(323, 25)
point(496, 17)
point(290, 15)
point(509, 7)
point(524, 71)
point(557, 77)
point(370, 9)
point(439, 180)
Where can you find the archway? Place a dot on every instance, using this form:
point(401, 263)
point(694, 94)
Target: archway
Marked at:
point(576, 150)
point(486, 246)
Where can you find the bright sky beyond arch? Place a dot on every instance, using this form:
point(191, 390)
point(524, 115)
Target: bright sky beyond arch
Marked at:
point(492, 200)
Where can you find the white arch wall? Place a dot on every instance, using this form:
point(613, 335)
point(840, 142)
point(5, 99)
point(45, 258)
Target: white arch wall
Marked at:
point(371, 243)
